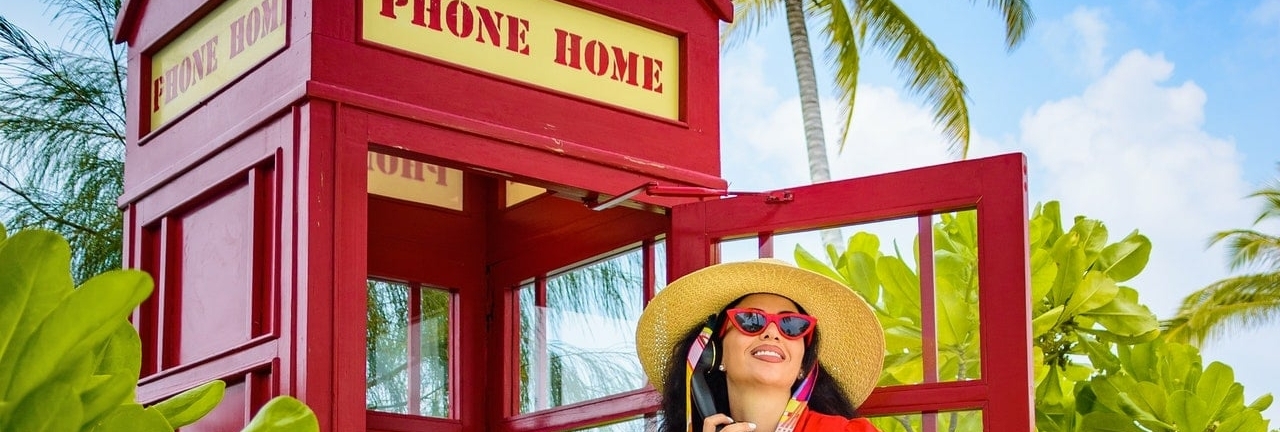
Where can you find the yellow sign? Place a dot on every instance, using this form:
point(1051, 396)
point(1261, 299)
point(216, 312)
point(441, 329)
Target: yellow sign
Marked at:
point(415, 181)
point(541, 42)
point(233, 38)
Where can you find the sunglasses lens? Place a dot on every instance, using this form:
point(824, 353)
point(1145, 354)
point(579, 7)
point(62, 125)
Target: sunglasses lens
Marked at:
point(750, 322)
point(794, 326)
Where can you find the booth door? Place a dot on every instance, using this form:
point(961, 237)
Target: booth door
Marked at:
point(879, 223)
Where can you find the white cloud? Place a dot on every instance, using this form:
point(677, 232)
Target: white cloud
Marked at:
point(1267, 13)
point(1079, 40)
point(1131, 151)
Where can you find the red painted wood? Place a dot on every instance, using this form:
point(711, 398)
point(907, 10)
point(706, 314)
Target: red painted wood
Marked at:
point(253, 355)
point(321, 343)
point(928, 304)
point(216, 276)
point(260, 190)
point(585, 413)
point(550, 158)
point(414, 348)
point(764, 242)
point(928, 312)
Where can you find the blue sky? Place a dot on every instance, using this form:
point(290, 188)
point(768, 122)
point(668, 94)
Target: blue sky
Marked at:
point(1158, 116)
point(1149, 115)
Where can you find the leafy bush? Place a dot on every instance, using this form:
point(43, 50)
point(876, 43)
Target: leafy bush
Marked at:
point(69, 359)
point(1099, 362)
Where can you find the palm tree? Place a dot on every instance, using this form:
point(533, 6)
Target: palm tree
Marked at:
point(1245, 301)
point(62, 132)
point(846, 28)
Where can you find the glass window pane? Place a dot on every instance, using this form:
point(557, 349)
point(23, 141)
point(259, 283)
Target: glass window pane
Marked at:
point(955, 262)
point(950, 421)
point(434, 331)
point(387, 350)
point(581, 344)
point(407, 350)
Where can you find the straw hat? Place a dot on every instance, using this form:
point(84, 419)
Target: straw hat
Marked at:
point(852, 349)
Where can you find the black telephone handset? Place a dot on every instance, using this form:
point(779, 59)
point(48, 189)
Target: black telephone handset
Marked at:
point(703, 401)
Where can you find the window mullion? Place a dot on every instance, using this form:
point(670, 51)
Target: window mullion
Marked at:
point(414, 344)
point(542, 397)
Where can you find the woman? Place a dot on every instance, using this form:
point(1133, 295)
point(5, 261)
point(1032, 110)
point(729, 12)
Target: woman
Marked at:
point(760, 346)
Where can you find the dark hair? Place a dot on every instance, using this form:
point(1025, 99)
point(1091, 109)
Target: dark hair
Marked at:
point(827, 398)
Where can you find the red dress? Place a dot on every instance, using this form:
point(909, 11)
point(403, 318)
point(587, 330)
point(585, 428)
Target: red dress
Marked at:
point(811, 421)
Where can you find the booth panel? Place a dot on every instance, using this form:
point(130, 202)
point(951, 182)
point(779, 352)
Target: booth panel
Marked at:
point(215, 276)
point(245, 394)
point(365, 71)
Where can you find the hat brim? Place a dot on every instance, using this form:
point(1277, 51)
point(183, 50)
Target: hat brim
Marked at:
point(852, 350)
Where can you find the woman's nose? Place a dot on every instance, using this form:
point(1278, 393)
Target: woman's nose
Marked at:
point(771, 330)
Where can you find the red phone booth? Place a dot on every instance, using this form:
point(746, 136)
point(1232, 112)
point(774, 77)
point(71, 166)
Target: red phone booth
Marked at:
point(444, 214)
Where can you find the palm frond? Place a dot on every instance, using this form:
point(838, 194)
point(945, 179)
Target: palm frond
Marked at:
point(1249, 248)
point(926, 69)
point(1242, 302)
point(842, 34)
point(1017, 19)
point(749, 16)
point(1270, 195)
point(62, 132)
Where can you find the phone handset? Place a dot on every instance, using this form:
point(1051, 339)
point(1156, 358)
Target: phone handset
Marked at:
point(703, 400)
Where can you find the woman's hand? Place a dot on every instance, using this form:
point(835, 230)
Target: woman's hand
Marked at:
point(722, 423)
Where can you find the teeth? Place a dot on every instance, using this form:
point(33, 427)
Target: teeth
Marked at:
point(763, 353)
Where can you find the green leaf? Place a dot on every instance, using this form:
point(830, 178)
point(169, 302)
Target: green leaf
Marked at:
point(1093, 237)
point(1243, 421)
point(866, 243)
point(132, 417)
point(1100, 355)
point(1049, 391)
point(1125, 317)
point(1095, 291)
point(1043, 271)
point(1044, 323)
point(116, 374)
point(1261, 403)
point(1188, 412)
point(901, 287)
point(79, 324)
point(863, 276)
point(53, 408)
point(1071, 266)
point(1178, 366)
point(191, 405)
point(1152, 399)
point(284, 414)
point(1214, 386)
point(1125, 259)
point(1108, 422)
point(807, 261)
point(954, 312)
point(1053, 213)
point(1139, 360)
point(35, 274)
point(1109, 390)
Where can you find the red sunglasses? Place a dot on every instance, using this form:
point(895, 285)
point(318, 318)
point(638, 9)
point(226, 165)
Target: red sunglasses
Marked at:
point(752, 322)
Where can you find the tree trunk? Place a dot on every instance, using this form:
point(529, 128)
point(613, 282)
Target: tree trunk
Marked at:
point(810, 110)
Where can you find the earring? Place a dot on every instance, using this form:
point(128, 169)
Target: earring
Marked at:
point(800, 376)
point(721, 367)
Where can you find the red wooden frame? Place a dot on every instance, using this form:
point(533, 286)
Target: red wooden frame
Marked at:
point(995, 186)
